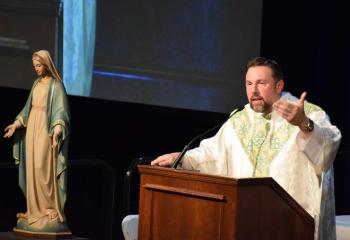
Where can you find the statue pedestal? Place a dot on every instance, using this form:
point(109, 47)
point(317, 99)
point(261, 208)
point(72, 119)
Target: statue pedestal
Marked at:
point(15, 235)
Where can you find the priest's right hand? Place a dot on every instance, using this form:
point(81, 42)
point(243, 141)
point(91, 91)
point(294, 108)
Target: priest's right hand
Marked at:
point(165, 160)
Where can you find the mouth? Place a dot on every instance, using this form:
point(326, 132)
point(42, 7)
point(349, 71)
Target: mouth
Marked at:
point(253, 99)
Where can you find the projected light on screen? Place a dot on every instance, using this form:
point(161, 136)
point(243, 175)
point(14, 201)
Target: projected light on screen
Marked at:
point(78, 45)
point(123, 75)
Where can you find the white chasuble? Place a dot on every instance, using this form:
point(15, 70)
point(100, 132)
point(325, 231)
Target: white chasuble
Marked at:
point(253, 145)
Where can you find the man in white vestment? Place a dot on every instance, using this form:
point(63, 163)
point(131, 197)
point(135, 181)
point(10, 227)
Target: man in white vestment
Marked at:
point(276, 135)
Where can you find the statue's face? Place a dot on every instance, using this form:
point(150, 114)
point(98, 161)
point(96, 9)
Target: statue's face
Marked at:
point(39, 68)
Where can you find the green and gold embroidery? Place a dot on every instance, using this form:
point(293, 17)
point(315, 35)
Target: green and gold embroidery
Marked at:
point(260, 144)
point(309, 108)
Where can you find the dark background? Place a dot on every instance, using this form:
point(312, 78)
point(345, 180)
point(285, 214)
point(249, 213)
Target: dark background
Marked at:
point(193, 53)
point(197, 37)
point(310, 40)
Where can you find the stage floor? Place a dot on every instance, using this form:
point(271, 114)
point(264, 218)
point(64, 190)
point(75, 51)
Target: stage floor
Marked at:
point(343, 227)
point(14, 236)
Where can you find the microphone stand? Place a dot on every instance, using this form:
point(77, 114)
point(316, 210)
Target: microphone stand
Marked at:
point(184, 150)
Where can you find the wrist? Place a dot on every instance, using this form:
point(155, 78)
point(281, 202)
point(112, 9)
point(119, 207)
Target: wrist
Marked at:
point(307, 125)
point(58, 129)
point(17, 124)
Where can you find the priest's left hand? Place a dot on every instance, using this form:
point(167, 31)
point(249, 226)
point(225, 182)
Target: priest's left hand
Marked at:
point(293, 112)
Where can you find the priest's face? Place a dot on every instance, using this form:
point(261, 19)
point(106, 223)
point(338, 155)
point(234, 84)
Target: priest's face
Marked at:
point(262, 89)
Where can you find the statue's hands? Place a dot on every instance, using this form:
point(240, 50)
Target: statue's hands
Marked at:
point(10, 130)
point(292, 112)
point(165, 160)
point(56, 134)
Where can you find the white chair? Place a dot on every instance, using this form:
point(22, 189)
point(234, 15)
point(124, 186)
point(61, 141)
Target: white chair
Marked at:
point(129, 227)
point(343, 227)
point(131, 194)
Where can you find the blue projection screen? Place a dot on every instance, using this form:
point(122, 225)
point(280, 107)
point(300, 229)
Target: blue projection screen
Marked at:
point(185, 54)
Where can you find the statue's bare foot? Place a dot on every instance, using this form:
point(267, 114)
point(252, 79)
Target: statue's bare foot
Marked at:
point(53, 215)
point(21, 215)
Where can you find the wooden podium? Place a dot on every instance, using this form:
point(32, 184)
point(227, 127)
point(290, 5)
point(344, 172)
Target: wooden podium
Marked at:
point(179, 204)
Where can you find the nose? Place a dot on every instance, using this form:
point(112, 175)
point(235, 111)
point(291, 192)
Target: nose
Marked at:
point(255, 88)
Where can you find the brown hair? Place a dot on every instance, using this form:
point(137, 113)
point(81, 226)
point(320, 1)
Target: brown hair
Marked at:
point(277, 72)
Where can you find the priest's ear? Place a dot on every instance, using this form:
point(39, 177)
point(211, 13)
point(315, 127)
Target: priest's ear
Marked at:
point(279, 85)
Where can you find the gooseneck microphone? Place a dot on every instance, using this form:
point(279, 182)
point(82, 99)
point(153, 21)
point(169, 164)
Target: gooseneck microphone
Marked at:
point(184, 150)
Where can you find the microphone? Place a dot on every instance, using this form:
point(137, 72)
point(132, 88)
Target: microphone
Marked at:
point(184, 150)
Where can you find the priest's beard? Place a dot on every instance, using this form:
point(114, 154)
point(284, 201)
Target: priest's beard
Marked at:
point(261, 108)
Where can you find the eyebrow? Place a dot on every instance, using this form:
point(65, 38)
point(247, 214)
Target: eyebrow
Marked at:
point(259, 80)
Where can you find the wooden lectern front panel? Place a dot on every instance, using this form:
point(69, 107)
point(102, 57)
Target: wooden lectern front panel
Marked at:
point(187, 216)
point(185, 206)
